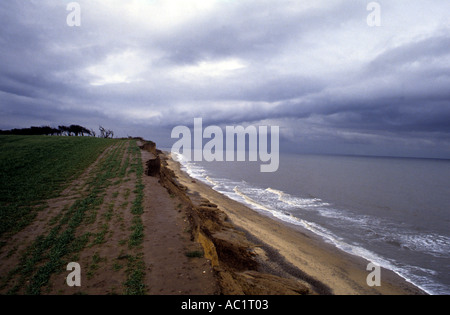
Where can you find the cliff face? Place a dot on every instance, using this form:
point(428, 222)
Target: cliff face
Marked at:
point(229, 251)
point(154, 164)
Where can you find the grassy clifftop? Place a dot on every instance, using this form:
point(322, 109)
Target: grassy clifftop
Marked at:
point(70, 199)
point(35, 168)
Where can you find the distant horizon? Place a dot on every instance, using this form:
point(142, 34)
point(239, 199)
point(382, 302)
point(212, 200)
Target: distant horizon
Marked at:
point(283, 149)
point(338, 77)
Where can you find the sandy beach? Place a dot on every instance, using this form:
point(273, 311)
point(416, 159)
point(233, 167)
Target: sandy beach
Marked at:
point(291, 252)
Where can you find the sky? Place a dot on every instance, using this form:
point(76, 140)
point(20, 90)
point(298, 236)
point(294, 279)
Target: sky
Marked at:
point(333, 83)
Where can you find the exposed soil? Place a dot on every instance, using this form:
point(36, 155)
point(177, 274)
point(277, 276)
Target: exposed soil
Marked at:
point(167, 245)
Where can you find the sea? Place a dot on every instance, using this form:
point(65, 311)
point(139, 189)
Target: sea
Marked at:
point(394, 212)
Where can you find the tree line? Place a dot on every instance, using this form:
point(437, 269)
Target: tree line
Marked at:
point(72, 130)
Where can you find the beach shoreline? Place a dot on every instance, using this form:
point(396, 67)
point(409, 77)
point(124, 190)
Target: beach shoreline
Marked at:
point(290, 251)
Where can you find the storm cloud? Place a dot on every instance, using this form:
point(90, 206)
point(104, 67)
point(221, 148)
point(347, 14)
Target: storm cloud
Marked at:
point(315, 68)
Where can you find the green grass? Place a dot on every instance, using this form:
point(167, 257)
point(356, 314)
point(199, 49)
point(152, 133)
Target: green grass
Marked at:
point(36, 168)
point(47, 165)
point(194, 254)
point(134, 285)
point(137, 208)
point(48, 253)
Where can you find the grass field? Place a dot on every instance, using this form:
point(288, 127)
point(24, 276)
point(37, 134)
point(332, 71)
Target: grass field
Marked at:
point(100, 215)
point(36, 168)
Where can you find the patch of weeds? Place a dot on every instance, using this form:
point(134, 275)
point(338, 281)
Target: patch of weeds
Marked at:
point(96, 260)
point(100, 236)
point(80, 242)
point(137, 236)
point(137, 208)
point(134, 285)
point(117, 266)
point(109, 213)
point(194, 254)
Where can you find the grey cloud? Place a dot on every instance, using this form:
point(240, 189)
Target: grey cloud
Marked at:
point(400, 92)
point(251, 29)
point(425, 50)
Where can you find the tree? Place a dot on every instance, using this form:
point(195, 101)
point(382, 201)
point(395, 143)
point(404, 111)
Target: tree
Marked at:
point(76, 129)
point(106, 133)
point(85, 131)
point(64, 130)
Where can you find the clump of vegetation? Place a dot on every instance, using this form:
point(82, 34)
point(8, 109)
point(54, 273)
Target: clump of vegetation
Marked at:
point(194, 254)
point(136, 273)
point(137, 208)
point(72, 130)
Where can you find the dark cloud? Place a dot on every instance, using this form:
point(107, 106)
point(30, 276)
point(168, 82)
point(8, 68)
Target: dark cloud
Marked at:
point(315, 68)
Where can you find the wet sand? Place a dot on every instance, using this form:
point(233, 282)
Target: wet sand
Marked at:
point(288, 249)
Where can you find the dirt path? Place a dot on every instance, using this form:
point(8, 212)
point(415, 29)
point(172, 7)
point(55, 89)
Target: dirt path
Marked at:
point(167, 245)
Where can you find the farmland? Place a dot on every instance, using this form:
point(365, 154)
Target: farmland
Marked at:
point(61, 195)
point(87, 201)
point(34, 169)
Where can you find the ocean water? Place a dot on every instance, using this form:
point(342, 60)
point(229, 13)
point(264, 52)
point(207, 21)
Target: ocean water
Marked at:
point(395, 212)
